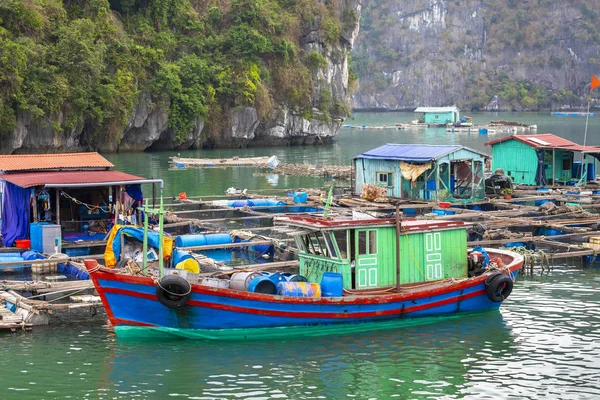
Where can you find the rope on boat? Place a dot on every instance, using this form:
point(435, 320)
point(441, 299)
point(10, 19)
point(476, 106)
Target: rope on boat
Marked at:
point(171, 293)
point(531, 256)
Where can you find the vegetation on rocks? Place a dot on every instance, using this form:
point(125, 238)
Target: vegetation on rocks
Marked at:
point(83, 63)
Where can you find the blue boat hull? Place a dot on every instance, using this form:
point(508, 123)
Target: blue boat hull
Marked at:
point(131, 301)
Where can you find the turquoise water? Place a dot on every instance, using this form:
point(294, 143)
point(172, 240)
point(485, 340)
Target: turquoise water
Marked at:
point(544, 342)
point(349, 143)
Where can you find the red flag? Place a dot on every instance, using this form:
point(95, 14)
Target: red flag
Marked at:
point(595, 83)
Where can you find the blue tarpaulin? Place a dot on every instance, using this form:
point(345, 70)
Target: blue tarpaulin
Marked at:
point(410, 152)
point(138, 233)
point(15, 213)
point(135, 192)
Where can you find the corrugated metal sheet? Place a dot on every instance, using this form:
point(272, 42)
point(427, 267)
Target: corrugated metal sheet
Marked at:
point(409, 152)
point(67, 177)
point(546, 141)
point(40, 162)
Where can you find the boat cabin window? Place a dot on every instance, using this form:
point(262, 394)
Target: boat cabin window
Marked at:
point(372, 242)
point(330, 245)
point(315, 246)
point(300, 242)
point(341, 237)
point(367, 246)
point(319, 244)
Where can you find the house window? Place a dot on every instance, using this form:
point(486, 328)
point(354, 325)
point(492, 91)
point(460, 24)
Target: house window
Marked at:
point(436, 116)
point(385, 179)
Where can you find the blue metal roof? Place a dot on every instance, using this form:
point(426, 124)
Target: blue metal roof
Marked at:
point(409, 152)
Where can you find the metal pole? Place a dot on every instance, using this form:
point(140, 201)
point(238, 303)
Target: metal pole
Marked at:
point(145, 245)
point(587, 117)
point(553, 167)
point(160, 235)
point(398, 247)
point(57, 206)
point(153, 195)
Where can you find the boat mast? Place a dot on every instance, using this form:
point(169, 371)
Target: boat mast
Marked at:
point(398, 246)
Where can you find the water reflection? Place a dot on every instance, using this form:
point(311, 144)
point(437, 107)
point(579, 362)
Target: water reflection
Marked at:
point(433, 358)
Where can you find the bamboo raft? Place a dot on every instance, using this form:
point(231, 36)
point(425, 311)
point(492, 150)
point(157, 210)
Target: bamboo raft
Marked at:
point(328, 171)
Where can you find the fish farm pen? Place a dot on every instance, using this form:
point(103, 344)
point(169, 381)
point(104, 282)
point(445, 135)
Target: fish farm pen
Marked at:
point(224, 234)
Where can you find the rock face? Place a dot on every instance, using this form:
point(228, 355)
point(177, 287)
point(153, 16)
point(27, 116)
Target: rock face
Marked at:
point(40, 136)
point(148, 124)
point(531, 55)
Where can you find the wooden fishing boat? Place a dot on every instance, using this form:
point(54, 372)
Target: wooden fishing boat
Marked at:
point(358, 277)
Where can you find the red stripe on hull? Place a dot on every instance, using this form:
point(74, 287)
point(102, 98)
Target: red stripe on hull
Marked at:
point(301, 314)
point(357, 300)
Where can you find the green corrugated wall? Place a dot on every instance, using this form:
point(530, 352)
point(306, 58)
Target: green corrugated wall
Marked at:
point(433, 255)
point(520, 162)
point(517, 159)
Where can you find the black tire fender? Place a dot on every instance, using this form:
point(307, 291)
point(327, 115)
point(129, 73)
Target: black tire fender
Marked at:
point(173, 291)
point(498, 287)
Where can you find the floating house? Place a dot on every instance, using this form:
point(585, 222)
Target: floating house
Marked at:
point(544, 159)
point(422, 171)
point(439, 115)
point(70, 197)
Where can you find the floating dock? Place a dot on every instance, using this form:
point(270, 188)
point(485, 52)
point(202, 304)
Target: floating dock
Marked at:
point(326, 171)
point(572, 114)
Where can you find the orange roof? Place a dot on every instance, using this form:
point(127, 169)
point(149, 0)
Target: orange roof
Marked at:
point(44, 162)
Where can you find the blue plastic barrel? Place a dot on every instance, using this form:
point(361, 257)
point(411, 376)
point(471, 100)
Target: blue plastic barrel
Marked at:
point(576, 170)
point(32, 255)
point(332, 284)
point(300, 197)
point(299, 289)
point(218, 238)
point(276, 278)
point(202, 240)
point(409, 212)
point(238, 203)
point(258, 203)
point(591, 171)
point(180, 255)
point(262, 284)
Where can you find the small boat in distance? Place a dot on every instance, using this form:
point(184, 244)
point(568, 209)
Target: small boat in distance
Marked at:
point(572, 114)
point(350, 273)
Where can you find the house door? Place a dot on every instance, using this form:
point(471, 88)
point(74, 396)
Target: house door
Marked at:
point(366, 258)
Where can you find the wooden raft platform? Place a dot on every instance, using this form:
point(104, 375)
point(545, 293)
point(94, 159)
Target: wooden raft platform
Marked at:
point(332, 171)
point(11, 321)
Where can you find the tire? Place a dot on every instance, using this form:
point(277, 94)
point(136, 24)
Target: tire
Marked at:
point(173, 291)
point(498, 287)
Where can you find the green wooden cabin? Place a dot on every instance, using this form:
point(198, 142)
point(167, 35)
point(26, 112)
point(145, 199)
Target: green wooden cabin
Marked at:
point(364, 251)
point(520, 156)
point(446, 172)
point(438, 115)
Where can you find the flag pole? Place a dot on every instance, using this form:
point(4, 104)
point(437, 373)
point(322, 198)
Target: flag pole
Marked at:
point(587, 117)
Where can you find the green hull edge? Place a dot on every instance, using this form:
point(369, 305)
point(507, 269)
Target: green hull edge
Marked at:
point(285, 332)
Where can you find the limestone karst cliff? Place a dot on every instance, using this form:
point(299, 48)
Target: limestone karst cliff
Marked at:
point(134, 75)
